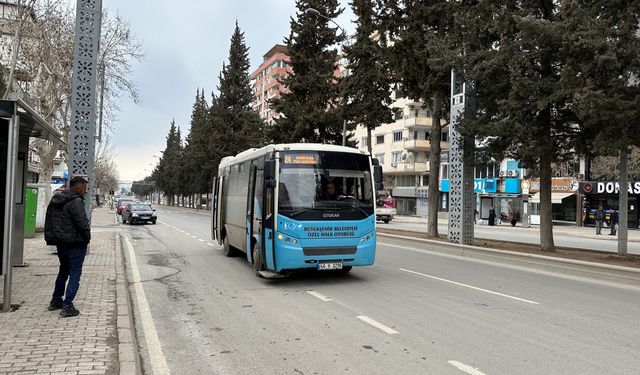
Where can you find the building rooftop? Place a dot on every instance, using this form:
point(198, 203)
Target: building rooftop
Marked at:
point(278, 48)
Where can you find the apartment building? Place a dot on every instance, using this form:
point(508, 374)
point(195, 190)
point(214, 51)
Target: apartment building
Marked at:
point(265, 80)
point(403, 147)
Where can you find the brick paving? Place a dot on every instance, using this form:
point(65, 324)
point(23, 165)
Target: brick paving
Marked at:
point(34, 340)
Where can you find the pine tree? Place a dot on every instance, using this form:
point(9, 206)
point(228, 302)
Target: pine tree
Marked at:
point(418, 47)
point(309, 106)
point(367, 87)
point(243, 126)
point(523, 110)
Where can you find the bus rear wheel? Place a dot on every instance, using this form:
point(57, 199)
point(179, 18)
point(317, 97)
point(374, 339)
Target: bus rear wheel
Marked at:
point(258, 265)
point(229, 250)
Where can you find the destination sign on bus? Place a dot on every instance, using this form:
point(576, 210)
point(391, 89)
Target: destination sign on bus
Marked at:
point(307, 159)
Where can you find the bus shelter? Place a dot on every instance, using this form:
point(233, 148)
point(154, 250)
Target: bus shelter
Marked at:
point(18, 123)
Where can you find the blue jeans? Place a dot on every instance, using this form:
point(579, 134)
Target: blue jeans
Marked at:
point(71, 257)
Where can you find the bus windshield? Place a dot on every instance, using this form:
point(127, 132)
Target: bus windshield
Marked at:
point(314, 183)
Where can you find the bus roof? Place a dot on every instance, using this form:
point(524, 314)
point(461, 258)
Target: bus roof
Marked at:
point(257, 152)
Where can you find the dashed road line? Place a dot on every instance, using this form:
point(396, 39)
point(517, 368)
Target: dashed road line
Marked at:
point(466, 368)
point(192, 236)
point(377, 324)
point(470, 287)
point(210, 244)
point(319, 296)
point(200, 239)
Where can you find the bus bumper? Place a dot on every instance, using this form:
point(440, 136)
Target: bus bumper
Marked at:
point(295, 257)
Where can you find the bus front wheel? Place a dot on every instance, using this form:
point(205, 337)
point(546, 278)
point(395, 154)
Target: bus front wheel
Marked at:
point(345, 269)
point(257, 260)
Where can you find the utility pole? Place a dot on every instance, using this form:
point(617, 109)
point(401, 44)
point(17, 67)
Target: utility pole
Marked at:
point(83, 92)
point(461, 149)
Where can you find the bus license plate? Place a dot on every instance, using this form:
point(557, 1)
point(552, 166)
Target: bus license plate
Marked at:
point(330, 266)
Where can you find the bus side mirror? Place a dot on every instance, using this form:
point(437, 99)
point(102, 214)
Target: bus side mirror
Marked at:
point(270, 174)
point(377, 177)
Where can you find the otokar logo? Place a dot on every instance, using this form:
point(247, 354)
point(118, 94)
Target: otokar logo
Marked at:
point(331, 215)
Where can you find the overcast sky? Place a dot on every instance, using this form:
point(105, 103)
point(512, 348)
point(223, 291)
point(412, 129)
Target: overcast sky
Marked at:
point(185, 43)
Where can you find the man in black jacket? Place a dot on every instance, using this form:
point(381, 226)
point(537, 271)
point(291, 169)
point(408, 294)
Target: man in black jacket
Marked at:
point(67, 226)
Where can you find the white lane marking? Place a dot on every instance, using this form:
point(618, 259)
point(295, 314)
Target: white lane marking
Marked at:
point(157, 359)
point(192, 236)
point(466, 368)
point(210, 244)
point(471, 287)
point(200, 239)
point(319, 296)
point(188, 234)
point(378, 325)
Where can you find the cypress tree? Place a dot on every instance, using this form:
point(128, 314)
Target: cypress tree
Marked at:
point(367, 87)
point(310, 104)
point(196, 158)
point(170, 162)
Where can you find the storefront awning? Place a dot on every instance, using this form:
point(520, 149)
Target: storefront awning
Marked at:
point(556, 198)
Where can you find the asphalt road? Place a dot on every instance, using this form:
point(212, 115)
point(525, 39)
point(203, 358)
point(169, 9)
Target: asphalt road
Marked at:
point(413, 312)
point(581, 238)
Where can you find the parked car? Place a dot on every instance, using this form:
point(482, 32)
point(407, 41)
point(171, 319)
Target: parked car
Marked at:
point(120, 205)
point(139, 213)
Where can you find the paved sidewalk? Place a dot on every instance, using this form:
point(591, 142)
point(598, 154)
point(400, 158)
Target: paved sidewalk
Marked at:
point(568, 230)
point(34, 340)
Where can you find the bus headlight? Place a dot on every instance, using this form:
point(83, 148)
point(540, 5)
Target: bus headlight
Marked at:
point(365, 238)
point(287, 239)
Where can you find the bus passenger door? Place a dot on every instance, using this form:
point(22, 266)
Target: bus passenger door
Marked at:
point(215, 211)
point(250, 211)
point(268, 217)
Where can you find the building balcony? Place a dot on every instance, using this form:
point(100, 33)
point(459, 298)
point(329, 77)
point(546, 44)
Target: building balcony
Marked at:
point(401, 167)
point(417, 145)
point(416, 122)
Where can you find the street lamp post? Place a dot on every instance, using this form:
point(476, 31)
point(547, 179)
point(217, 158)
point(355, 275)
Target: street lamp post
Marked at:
point(344, 118)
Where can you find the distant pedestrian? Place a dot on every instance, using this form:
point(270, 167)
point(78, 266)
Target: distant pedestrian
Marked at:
point(514, 218)
point(67, 227)
point(599, 220)
point(614, 223)
point(492, 217)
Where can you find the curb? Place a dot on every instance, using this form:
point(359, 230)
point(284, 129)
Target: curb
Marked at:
point(128, 355)
point(617, 274)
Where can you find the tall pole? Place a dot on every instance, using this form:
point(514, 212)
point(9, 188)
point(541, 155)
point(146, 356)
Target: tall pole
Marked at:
point(83, 92)
point(461, 199)
point(624, 200)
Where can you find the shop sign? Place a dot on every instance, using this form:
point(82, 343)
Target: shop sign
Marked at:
point(607, 187)
point(558, 185)
point(480, 185)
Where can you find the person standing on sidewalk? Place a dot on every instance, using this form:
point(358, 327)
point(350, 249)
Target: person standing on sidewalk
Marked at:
point(67, 227)
point(614, 223)
point(599, 219)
